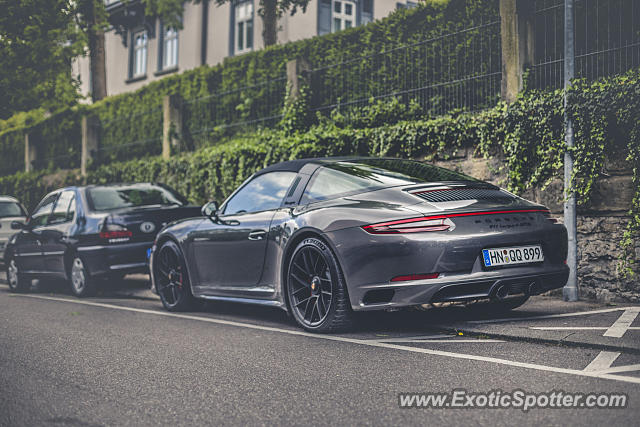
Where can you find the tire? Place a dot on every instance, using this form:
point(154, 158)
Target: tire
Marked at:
point(172, 279)
point(17, 282)
point(80, 280)
point(316, 289)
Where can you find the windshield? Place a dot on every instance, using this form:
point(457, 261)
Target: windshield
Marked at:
point(350, 177)
point(11, 209)
point(129, 196)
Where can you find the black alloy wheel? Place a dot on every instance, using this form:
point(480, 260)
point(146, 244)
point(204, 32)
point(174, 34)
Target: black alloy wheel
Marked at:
point(171, 278)
point(315, 286)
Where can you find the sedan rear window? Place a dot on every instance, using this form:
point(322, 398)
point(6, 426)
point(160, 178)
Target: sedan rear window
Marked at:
point(11, 209)
point(129, 196)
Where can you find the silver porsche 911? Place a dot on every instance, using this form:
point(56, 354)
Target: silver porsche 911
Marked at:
point(324, 238)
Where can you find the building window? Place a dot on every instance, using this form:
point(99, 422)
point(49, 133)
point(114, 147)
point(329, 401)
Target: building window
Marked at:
point(344, 15)
point(366, 15)
point(169, 52)
point(408, 5)
point(243, 27)
point(139, 56)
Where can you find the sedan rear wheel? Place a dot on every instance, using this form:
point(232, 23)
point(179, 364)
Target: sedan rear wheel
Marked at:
point(171, 278)
point(17, 283)
point(316, 289)
point(81, 282)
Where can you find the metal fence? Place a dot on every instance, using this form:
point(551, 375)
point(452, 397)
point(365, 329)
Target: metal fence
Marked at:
point(130, 137)
point(456, 70)
point(238, 109)
point(607, 40)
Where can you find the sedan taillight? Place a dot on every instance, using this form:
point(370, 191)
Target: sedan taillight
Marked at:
point(115, 233)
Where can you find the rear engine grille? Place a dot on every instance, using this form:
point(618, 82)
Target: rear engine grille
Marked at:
point(456, 194)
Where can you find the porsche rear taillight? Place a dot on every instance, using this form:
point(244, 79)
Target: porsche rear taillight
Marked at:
point(114, 233)
point(433, 222)
point(414, 225)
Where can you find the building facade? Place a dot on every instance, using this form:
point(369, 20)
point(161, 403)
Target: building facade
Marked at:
point(140, 49)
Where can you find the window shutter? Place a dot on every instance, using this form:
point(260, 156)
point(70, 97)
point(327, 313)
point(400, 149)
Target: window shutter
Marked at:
point(324, 17)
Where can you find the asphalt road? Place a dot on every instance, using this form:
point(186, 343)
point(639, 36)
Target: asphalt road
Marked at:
point(120, 359)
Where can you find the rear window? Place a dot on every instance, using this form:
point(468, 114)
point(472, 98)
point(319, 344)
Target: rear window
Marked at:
point(11, 209)
point(130, 196)
point(346, 178)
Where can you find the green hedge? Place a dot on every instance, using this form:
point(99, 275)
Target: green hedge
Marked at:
point(12, 149)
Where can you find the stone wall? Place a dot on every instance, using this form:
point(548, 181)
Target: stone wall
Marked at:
point(601, 223)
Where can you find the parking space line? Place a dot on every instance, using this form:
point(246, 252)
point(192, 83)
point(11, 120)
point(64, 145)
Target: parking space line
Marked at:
point(441, 340)
point(370, 343)
point(603, 361)
point(552, 316)
point(578, 328)
point(623, 323)
point(626, 368)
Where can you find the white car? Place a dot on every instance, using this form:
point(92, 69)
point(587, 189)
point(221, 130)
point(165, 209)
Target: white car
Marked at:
point(10, 210)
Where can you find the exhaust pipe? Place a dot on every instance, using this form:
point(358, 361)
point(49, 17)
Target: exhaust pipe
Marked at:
point(502, 292)
point(534, 289)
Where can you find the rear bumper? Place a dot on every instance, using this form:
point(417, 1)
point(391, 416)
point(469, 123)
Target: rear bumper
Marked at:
point(369, 263)
point(465, 287)
point(123, 258)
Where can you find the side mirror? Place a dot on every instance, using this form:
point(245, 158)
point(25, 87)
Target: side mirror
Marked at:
point(17, 225)
point(210, 210)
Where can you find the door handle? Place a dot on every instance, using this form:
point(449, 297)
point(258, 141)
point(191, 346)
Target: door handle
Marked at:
point(257, 235)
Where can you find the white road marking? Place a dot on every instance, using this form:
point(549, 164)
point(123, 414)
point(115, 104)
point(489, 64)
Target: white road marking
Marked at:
point(625, 368)
point(445, 340)
point(551, 316)
point(578, 328)
point(369, 343)
point(623, 323)
point(603, 361)
point(420, 337)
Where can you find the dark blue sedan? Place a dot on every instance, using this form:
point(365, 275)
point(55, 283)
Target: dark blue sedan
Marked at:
point(82, 234)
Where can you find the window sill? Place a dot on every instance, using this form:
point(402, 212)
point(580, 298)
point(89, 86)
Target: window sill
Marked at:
point(166, 71)
point(136, 79)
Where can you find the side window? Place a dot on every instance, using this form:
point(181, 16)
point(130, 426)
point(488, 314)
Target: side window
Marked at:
point(64, 209)
point(329, 183)
point(263, 193)
point(42, 212)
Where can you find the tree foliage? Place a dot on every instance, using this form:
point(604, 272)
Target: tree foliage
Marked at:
point(38, 40)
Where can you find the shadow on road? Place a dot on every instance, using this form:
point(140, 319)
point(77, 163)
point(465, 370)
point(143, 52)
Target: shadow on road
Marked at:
point(412, 320)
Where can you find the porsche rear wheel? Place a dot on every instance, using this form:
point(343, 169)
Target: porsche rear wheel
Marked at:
point(171, 278)
point(316, 289)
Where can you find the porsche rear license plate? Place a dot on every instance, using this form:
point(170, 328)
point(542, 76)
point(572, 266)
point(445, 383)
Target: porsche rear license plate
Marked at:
point(514, 255)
